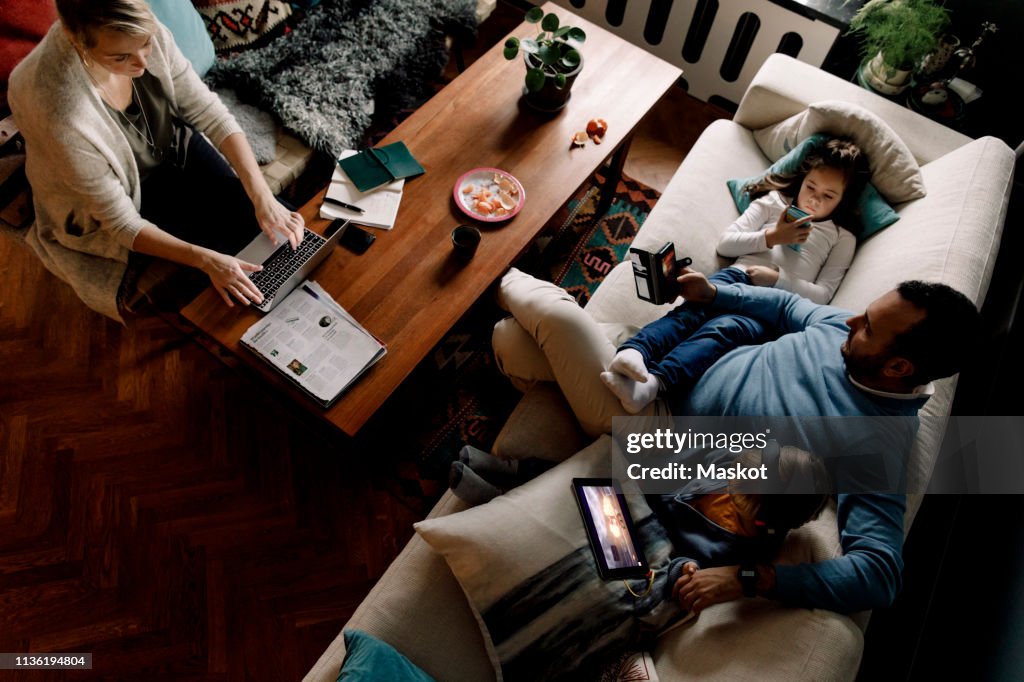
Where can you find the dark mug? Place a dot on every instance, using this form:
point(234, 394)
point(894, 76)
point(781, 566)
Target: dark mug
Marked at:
point(465, 239)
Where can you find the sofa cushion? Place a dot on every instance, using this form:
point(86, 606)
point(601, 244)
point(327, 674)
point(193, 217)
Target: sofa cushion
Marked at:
point(368, 659)
point(23, 23)
point(527, 568)
point(189, 31)
point(894, 171)
point(239, 24)
point(418, 608)
point(872, 210)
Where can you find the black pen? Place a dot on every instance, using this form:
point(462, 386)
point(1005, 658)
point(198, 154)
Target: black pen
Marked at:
point(344, 205)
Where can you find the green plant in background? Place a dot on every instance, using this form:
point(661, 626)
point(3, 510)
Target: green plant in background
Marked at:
point(903, 31)
point(552, 55)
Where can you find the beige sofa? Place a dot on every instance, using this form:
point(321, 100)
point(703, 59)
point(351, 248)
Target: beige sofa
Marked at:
point(951, 235)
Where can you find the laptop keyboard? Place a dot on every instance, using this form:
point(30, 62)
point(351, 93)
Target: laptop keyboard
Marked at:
point(283, 263)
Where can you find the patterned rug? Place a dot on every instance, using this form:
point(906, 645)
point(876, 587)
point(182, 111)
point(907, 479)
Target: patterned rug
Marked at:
point(457, 395)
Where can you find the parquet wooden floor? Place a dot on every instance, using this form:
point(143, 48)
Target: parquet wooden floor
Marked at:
point(164, 512)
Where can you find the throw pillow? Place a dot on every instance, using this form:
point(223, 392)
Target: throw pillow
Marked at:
point(874, 212)
point(894, 171)
point(189, 31)
point(238, 24)
point(530, 576)
point(23, 23)
point(367, 659)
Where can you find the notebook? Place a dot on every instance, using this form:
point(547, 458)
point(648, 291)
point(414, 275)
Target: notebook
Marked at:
point(371, 168)
point(283, 267)
point(380, 206)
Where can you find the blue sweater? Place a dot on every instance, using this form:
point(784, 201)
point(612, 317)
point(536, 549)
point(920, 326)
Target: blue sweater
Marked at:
point(802, 374)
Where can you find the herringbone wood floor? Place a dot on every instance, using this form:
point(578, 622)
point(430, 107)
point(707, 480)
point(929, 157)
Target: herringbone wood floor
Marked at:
point(164, 512)
point(167, 513)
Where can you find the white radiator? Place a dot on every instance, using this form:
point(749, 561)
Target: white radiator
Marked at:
point(714, 72)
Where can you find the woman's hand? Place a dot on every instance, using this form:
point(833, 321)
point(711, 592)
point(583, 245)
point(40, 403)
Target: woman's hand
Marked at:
point(274, 218)
point(762, 275)
point(229, 279)
point(699, 589)
point(786, 232)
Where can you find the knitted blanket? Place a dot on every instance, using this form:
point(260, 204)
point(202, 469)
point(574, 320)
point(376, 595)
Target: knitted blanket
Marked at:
point(347, 58)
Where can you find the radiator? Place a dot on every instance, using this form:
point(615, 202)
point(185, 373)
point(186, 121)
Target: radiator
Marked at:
point(719, 44)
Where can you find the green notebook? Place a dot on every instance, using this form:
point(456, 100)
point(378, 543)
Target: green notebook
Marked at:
point(372, 168)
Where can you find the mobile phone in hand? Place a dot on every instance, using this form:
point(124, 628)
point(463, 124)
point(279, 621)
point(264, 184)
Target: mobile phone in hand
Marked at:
point(793, 214)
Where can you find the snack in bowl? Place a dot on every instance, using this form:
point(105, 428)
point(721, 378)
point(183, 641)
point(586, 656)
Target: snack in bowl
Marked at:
point(489, 194)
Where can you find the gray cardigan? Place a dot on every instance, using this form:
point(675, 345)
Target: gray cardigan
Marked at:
point(85, 182)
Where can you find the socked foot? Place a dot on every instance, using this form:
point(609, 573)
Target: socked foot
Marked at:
point(634, 395)
point(630, 363)
point(469, 487)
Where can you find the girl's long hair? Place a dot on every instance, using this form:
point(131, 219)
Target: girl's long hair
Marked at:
point(840, 153)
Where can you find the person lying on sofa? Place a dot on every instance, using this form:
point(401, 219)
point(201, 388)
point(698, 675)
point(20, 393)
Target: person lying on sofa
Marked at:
point(108, 106)
point(808, 256)
point(825, 362)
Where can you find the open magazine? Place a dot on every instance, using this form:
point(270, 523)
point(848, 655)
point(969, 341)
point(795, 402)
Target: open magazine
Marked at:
point(314, 342)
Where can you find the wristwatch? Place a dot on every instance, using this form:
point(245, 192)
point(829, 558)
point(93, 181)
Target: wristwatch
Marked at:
point(748, 579)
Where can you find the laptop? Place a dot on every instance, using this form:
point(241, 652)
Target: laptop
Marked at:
point(283, 268)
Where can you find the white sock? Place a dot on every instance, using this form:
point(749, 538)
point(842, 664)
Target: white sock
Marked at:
point(629, 363)
point(634, 395)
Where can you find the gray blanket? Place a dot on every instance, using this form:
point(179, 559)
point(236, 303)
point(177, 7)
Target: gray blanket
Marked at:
point(322, 80)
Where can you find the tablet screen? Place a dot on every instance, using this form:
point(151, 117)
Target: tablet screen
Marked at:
point(609, 528)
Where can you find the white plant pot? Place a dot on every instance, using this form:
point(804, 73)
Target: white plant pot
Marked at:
point(884, 78)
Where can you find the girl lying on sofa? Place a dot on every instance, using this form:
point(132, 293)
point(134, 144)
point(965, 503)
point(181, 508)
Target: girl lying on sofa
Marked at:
point(808, 256)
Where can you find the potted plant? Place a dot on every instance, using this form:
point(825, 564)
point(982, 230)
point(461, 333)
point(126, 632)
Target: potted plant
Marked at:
point(552, 60)
point(897, 35)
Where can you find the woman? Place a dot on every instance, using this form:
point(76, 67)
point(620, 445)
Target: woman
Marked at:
point(109, 108)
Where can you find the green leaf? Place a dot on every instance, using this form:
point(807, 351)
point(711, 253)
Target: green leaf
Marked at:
point(511, 48)
point(534, 80)
point(571, 59)
point(550, 22)
point(548, 54)
point(530, 46)
point(562, 30)
point(577, 34)
point(559, 80)
point(534, 15)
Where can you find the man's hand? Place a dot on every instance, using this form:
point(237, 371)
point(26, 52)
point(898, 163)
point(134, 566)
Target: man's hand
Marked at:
point(695, 287)
point(699, 589)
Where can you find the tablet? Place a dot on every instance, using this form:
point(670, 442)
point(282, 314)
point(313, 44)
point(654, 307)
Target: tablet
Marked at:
point(609, 528)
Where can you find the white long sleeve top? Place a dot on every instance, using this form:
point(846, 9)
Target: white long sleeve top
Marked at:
point(814, 272)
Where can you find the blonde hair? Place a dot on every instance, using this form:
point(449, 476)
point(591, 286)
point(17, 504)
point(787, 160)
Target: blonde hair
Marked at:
point(82, 18)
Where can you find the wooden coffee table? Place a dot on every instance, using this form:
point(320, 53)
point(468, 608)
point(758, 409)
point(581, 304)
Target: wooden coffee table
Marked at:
point(408, 289)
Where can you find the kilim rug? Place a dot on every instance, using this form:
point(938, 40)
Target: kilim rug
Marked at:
point(457, 395)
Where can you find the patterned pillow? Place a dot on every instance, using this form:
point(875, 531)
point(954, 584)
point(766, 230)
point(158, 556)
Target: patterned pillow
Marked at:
point(529, 574)
point(239, 24)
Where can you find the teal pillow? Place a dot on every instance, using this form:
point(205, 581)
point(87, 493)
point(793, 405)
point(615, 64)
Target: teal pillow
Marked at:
point(874, 213)
point(189, 31)
point(367, 659)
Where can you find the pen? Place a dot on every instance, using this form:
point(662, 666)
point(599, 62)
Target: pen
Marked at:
point(343, 205)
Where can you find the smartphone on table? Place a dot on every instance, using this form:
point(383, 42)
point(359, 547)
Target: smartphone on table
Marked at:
point(356, 239)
